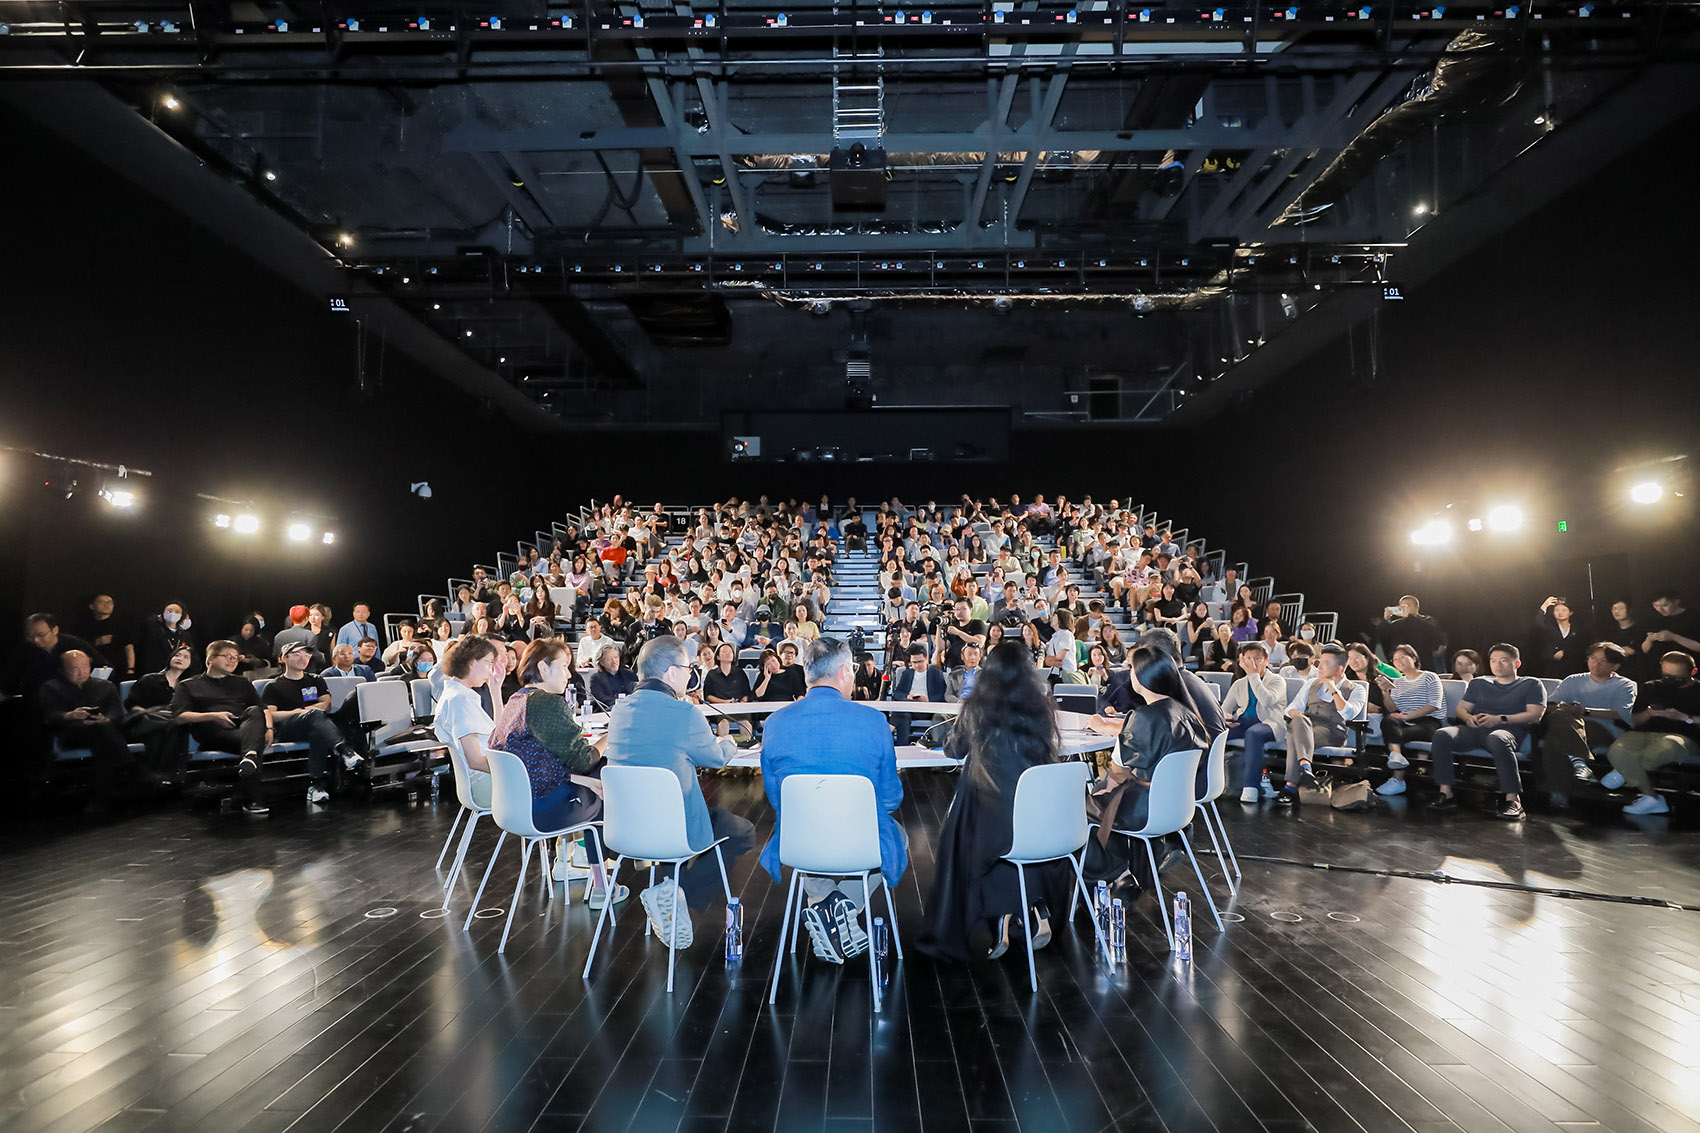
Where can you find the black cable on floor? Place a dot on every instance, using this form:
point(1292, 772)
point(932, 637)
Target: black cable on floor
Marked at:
point(1443, 878)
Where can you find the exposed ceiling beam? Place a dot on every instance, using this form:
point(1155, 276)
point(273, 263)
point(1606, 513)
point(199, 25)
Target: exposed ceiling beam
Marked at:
point(86, 115)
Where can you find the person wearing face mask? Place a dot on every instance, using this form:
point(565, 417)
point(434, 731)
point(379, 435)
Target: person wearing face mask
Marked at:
point(656, 727)
point(1301, 658)
point(417, 662)
point(162, 636)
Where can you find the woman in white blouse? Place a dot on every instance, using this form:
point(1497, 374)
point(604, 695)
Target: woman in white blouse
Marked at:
point(1415, 703)
point(461, 721)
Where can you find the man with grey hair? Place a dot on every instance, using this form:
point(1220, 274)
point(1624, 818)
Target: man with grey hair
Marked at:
point(828, 733)
point(657, 727)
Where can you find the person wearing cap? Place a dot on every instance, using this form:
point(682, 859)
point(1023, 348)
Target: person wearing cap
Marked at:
point(764, 631)
point(298, 706)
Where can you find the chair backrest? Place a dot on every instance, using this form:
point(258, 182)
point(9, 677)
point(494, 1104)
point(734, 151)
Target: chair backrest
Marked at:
point(340, 688)
point(383, 702)
point(261, 685)
point(643, 813)
point(1454, 693)
point(124, 691)
point(424, 699)
point(462, 772)
point(829, 823)
point(510, 794)
point(563, 596)
point(1220, 682)
point(1172, 801)
point(1215, 768)
point(1050, 811)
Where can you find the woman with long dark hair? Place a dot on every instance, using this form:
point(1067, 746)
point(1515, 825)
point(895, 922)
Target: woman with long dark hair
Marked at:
point(1007, 726)
point(1162, 722)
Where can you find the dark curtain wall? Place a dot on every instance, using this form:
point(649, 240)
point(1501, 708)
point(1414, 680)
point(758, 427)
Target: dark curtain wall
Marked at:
point(1524, 373)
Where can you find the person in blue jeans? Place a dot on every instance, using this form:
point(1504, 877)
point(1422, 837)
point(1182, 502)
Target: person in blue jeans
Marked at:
point(827, 733)
point(1254, 710)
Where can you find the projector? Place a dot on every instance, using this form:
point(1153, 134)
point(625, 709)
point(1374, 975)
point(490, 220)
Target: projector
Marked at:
point(857, 177)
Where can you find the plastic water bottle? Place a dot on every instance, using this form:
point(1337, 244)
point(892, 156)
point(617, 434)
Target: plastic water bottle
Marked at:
point(1183, 927)
point(436, 786)
point(879, 947)
point(734, 931)
point(1101, 905)
point(1118, 931)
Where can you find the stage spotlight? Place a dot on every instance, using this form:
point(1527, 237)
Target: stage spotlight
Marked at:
point(170, 102)
point(271, 175)
point(420, 488)
point(346, 240)
point(1434, 533)
point(1474, 525)
point(1421, 210)
point(328, 538)
point(299, 532)
point(245, 524)
point(1648, 492)
point(1505, 518)
point(118, 497)
point(221, 520)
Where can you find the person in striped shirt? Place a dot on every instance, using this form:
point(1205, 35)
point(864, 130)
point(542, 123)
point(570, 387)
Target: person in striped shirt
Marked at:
point(1416, 704)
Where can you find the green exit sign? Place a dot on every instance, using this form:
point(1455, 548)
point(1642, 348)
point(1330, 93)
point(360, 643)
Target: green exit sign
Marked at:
point(1564, 525)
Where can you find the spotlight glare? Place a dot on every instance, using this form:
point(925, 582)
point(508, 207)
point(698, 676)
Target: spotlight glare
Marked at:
point(1475, 524)
point(118, 497)
point(271, 175)
point(298, 532)
point(246, 524)
point(170, 102)
point(1434, 533)
point(328, 538)
point(1649, 492)
point(221, 520)
point(1505, 518)
point(1421, 210)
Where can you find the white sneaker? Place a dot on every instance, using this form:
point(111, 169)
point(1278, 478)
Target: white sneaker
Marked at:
point(657, 901)
point(599, 897)
point(1391, 787)
point(1611, 781)
point(1396, 761)
point(1648, 804)
point(316, 795)
point(1248, 794)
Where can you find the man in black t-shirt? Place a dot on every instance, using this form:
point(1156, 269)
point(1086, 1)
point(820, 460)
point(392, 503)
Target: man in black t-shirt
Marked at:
point(223, 713)
point(1667, 729)
point(298, 707)
point(960, 630)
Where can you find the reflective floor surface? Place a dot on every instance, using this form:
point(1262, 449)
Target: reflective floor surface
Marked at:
point(193, 971)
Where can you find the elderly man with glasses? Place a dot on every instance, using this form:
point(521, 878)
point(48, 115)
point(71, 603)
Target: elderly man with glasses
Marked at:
point(657, 727)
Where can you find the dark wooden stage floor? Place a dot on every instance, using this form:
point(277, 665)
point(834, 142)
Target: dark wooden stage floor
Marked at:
point(190, 971)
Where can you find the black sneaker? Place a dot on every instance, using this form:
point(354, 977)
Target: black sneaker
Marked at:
point(823, 933)
point(1444, 802)
point(1513, 811)
point(1287, 798)
point(1307, 780)
point(256, 808)
point(852, 940)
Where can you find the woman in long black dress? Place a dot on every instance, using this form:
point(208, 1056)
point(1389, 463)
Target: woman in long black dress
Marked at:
point(1162, 722)
point(1007, 726)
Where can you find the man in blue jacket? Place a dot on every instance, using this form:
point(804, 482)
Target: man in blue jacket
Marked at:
point(657, 727)
point(920, 681)
point(826, 733)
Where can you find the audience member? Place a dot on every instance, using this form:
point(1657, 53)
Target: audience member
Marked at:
point(462, 720)
point(1664, 731)
point(611, 681)
point(1466, 665)
point(1496, 713)
point(342, 664)
point(1587, 711)
point(1319, 711)
point(359, 628)
point(161, 636)
point(1254, 709)
point(83, 712)
point(223, 713)
point(1416, 711)
point(1560, 645)
point(1406, 624)
point(297, 707)
point(101, 628)
point(655, 727)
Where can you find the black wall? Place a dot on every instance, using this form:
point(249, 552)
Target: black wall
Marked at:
point(128, 334)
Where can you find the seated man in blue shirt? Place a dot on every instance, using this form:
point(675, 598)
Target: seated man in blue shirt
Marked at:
point(826, 733)
point(656, 727)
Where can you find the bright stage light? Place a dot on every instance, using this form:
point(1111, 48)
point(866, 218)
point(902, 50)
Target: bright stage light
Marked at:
point(1474, 525)
point(328, 538)
point(1505, 518)
point(299, 532)
point(246, 524)
point(221, 520)
point(1649, 492)
point(118, 497)
point(1434, 533)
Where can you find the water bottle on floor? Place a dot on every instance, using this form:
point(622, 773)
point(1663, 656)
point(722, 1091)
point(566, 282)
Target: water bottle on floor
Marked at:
point(436, 786)
point(734, 931)
point(879, 947)
point(1101, 906)
point(1183, 927)
point(1118, 931)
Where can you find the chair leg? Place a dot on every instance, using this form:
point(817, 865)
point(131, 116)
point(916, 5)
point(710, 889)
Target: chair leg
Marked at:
point(478, 896)
point(525, 848)
point(1080, 891)
point(1228, 844)
point(784, 927)
point(1157, 883)
point(602, 918)
point(725, 882)
point(598, 870)
point(891, 910)
point(873, 960)
point(1221, 858)
point(1208, 899)
point(449, 841)
point(1026, 927)
point(673, 937)
point(460, 858)
point(797, 917)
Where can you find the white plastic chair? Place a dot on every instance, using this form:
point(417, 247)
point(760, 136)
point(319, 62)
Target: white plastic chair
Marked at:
point(1050, 825)
point(643, 817)
point(829, 827)
point(1215, 782)
point(510, 806)
point(469, 810)
point(1168, 811)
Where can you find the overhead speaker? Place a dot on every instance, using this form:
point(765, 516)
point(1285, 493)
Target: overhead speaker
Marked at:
point(857, 176)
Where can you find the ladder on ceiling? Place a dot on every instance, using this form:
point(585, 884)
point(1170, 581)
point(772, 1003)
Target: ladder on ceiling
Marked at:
point(858, 104)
